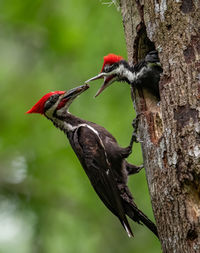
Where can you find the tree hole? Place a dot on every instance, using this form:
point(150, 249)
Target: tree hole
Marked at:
point(142, 44)
point(192, 234)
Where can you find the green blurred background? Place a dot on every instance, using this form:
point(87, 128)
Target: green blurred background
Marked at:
point(47, 204)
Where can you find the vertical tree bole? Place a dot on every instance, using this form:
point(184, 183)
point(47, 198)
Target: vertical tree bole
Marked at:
point(170, 129)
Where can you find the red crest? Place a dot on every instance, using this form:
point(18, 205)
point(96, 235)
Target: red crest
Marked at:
point(39, 106)
point(110, 59)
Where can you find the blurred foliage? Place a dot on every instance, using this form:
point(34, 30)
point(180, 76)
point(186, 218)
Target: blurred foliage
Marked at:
point(46, 201)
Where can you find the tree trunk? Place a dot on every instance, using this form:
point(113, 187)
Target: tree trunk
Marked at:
point(170, 130)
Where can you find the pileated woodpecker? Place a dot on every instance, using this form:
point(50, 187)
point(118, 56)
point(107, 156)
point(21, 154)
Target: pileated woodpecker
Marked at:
point(145, 74)
point(100, 155)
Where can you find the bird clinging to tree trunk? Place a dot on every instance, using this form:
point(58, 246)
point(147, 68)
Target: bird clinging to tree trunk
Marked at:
point(145, 74)
point(100, 155)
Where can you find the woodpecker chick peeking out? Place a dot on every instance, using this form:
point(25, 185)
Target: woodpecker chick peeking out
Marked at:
point(103, 160)
point(145, 74)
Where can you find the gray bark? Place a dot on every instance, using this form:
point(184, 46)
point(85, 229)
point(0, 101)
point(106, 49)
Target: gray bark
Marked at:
point(170, 130)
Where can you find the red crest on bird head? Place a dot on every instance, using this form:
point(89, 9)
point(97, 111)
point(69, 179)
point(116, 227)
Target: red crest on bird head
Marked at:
point(110, 59)
point(39, 106)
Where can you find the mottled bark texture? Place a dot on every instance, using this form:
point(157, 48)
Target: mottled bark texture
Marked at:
point(170, 130)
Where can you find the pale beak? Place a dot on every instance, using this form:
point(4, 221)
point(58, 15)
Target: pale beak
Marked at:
point(99, 76)
point(108, 79)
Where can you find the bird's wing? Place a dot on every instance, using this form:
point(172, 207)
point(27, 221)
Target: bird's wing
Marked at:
point(91, 152)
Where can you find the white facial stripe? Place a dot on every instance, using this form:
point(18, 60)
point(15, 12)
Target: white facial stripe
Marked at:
point(122, 71)
point(50, 111)
point(64, 108)
point(131, 76)
point(126, 73)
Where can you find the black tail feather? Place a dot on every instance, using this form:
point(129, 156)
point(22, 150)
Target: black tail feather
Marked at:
point(135, 214)
point(148, 223)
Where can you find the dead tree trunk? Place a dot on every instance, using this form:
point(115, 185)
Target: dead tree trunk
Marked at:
point(170, 130)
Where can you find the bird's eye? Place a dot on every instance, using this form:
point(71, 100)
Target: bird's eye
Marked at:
point(108, 68)
point(51, 101)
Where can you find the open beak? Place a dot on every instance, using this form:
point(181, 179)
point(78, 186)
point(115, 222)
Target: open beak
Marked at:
point(75, 92)
point(108, 79)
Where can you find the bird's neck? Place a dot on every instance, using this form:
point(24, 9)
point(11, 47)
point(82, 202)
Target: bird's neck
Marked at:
point(67, 122)
point(126, 72)
point(131, 74)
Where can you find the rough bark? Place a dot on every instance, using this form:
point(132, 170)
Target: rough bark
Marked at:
point(170, 130)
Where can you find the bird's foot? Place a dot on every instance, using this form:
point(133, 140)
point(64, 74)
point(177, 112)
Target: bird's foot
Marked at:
point(134, 138)
point(127, 151)
point(133, 169)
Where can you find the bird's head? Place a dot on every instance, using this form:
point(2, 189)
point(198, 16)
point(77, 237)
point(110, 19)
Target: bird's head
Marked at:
point(56, 101)
point(112, 70)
